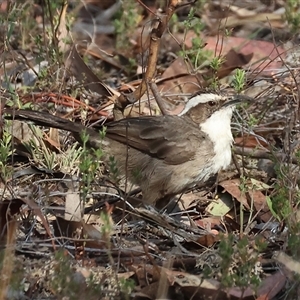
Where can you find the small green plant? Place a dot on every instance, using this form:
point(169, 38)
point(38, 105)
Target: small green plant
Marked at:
point(63, 282)
point(292, 14)
point(198, 56)
point(89, 165)
point(239, 80)
point(126, 21)
point(69, 159)
point(252, 120)
point(11, 274)
point(284, 205)
point(39, 151)
point(113, 169)
point(126, 286)
point(280, 202)
point(107, 227)
point(294, 242)
point(215, 65)
point(5, 152)
point(67, 283)
point(23, 32)
point(239, 262)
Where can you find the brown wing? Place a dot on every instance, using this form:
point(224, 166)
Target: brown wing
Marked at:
point(158, 137)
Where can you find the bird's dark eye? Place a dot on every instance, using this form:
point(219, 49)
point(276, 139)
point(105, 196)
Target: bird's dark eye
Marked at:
point(212, 103)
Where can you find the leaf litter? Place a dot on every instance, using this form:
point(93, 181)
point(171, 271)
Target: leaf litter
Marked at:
point(111, 249)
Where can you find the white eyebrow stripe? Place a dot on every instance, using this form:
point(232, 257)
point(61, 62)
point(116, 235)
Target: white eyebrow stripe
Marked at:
point(203, 98)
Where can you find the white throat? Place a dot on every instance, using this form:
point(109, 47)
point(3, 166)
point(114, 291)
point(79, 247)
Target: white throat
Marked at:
point(217, 127)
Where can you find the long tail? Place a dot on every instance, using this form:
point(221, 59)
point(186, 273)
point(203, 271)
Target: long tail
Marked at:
point(48, 120)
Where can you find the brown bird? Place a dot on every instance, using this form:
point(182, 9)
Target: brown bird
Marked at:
point(164, 155)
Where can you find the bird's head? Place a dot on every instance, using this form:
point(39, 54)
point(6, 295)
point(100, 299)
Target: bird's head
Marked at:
point(201, 107)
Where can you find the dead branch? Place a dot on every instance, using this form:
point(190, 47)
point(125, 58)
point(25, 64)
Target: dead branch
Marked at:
point(155, 37)
point(261, 154)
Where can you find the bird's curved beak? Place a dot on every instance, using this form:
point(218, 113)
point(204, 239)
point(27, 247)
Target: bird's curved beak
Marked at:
point(236, 99)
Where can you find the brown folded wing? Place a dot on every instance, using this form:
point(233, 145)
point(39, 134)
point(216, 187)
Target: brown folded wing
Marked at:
point(159, 137)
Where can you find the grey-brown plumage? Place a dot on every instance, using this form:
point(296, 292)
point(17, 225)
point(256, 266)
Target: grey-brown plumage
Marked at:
point(164, 155)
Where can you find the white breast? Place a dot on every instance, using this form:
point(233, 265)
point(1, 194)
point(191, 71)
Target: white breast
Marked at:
point(217, 127)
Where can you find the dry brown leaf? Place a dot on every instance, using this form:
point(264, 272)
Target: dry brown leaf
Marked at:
point(85, 75)
point(232, 61)
point(242, 12)
point(126, 275)
point(249, 141)
point(99, 53)
point(37, 211)
point(62, 32)
point(177, 79)
point(259, 199)
point(80, 232)
point(232, 186)
point(194, 286)
point(265, 56)
point(8, 208)
point(208, 223)
point(73, 205)
point(53, 138)
point(22, 131)
point(234, 21)
point(208, 240)
point(271, 286)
